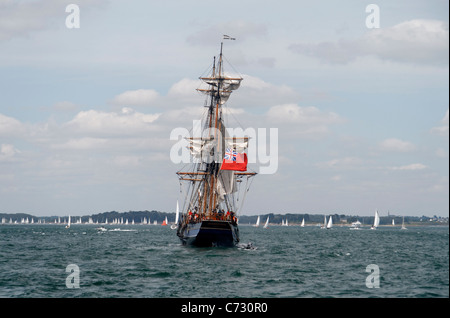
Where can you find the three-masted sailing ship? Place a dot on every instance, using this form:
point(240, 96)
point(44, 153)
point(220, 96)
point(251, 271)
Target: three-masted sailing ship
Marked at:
point(217, 179)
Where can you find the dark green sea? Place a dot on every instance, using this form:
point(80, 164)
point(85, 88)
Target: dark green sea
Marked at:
point(134, 261)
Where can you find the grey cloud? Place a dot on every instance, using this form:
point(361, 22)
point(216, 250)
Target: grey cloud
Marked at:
point(414, 41)
point(21, 18)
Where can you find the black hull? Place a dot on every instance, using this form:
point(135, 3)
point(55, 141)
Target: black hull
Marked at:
point(209, 233)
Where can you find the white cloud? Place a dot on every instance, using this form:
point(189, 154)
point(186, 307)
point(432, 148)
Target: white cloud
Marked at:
point(85, 143)
point(262, 92)
point(416, 41)
point(139, 97)
point(256, 94)
point(341, 163)
point(184, 87)
point(443, 129)
point(10, 126)
point(306, 121)
point(7, 152)
point(394, 144)
point(441, 153)
point(99, 123)
point(413, 166)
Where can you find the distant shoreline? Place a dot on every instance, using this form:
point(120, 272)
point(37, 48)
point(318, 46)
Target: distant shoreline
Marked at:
point(145, 217)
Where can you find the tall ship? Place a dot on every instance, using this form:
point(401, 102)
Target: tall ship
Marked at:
point(217, 179)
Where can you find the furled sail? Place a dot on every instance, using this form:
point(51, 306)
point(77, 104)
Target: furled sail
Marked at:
point(201, 148)
point(239, 146)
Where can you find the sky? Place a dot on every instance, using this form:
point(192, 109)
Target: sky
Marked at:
point(360, 105)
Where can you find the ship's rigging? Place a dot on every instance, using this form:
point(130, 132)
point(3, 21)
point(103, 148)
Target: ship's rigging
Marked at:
point(218, 180)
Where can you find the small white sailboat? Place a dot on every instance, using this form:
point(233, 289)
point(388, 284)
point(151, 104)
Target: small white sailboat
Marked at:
point(68, 224)
point(330, 223)
point(403, 224)
point(266, 225)
point(257, 221)
point(303, 223)
point(393, 222)
point(177, 215)
point(324, 225)
point(376, 221)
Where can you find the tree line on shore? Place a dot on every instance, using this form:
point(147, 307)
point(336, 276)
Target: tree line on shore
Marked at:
point(275, 218)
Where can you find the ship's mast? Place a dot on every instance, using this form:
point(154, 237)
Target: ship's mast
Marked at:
point(207, 176)
point(213, 167)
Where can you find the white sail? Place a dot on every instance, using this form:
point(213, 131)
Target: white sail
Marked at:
point(303, 223)
point(376, 221)
point(257, 221)
point(239, 146)
point(177, 215)
point(403, 224)
point(200, 147)
point(226, 184)
point(393, 222)
point(267, 223)
point(324, 226)
point(227, 83)
point(68, 223)
point(330, 223)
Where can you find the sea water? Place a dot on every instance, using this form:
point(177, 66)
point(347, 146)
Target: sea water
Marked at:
point(134, 261)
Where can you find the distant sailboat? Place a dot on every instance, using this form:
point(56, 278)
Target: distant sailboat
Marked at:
point(68, 224)
point(177, 215)
point(376, 221)
point(324, 226)
point(266, 225)
point(257, 221)
point(403, 224)
point(164, 222)
point(330, 223)
point(303, 223)
point(355, 225)
point(393, 222)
